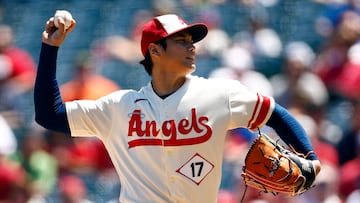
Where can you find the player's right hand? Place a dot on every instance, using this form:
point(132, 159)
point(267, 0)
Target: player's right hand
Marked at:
point(55, 36)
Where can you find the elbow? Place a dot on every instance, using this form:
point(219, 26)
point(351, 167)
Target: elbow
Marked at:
point(48, 117)
point(44, 117)
point(57, 123)
point(42, 121)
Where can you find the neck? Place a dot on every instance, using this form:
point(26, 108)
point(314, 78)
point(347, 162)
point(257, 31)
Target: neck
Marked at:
point(167, 85)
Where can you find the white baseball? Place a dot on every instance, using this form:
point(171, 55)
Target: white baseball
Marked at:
point(65, 15)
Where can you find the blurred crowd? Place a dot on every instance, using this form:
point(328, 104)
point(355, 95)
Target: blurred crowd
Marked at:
point(317, 78)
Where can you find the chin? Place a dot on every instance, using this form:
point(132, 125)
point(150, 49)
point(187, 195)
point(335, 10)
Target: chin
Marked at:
point(192, 68)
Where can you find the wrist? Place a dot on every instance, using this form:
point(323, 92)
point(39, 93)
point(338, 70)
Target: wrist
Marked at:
point(317, 166)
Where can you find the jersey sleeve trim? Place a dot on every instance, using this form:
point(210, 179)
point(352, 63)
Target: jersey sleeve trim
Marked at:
point(262, 111)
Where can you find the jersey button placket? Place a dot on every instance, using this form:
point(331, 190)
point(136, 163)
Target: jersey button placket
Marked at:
point(168, 155)
point(164, 150)
point(167, 117)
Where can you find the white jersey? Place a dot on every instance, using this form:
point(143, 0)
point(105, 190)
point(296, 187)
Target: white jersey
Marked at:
point(170, 150)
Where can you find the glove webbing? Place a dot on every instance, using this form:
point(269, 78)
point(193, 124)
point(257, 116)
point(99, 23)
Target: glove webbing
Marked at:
point(305, 168)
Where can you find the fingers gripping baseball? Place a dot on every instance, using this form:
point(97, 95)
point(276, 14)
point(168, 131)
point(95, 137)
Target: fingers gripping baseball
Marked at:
point(55, 33)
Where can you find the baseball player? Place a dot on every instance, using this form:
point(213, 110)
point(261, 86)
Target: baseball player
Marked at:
point(166, 140)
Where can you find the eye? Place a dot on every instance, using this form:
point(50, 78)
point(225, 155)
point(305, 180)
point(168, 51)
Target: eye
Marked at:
point(179, 40)
point(183, 41)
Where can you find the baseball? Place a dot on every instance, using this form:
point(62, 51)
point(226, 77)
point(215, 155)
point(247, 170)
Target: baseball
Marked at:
point(65, 15)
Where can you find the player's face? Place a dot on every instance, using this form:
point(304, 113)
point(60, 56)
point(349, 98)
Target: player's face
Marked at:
point(180, 52)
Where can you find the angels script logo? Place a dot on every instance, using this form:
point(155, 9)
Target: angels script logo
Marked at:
point(175, 132)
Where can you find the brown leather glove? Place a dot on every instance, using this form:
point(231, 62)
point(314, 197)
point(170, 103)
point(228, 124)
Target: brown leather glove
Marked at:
point(270, 167)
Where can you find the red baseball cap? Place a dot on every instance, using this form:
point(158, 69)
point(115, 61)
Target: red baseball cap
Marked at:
point(163, 26)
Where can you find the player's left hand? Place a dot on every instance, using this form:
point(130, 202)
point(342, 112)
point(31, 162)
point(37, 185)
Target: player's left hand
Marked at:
point(55, 36)
point(270, 167)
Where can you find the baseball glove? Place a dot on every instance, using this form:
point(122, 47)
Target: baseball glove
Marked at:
point(270, 167)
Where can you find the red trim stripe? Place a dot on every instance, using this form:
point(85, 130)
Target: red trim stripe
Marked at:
point(264, 109)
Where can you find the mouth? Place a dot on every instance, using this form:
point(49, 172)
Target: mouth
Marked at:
point(191, 58)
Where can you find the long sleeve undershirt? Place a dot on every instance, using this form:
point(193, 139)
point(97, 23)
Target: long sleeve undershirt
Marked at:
point(50, 111)
point(290, 131)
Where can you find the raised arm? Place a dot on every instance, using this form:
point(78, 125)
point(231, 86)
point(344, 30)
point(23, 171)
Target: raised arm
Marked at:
point(50, 111)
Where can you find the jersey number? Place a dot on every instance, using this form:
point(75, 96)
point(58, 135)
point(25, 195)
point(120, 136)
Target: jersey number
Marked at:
point(196, 168)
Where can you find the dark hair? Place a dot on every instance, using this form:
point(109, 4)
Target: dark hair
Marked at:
point(147, 63)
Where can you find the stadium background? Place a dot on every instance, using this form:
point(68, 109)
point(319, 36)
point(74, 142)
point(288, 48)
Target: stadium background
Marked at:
point(98, 19)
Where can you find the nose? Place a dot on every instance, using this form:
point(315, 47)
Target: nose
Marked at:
point(192, 47)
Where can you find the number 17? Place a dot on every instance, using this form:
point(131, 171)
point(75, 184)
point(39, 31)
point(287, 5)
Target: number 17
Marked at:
point(196, 168)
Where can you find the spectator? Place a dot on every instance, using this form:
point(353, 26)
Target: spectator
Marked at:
point(298, 87)
point(161, 7)
point(17, 75)
point(297, 83)
point(226, 197)
point(113, 45)
point(40, 166)
point(13, 181)
point(73, 190)
point(9, 142)
point(238, 64)
point(12, 175)
point(350, 174)
point(217, 40)
point(87, 83)
point(329, 17)
point(327, 153)
point(353, 197)
point(333, 55)
point(347, 83)
point(347, 146)
point(262, 40)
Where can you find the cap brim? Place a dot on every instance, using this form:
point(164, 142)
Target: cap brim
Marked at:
point(198, 31)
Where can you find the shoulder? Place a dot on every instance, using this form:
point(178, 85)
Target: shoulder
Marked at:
point(120, 96)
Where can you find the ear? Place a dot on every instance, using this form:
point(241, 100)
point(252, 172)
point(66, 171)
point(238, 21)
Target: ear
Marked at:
point(154, 49)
